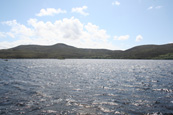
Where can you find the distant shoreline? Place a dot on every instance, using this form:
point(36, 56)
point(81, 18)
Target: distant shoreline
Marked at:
point(63, 51)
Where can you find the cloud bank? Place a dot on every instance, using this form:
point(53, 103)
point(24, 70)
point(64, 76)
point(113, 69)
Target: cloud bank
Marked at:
point(68, 30)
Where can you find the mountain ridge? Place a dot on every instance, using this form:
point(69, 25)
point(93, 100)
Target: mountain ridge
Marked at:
point(62, 51)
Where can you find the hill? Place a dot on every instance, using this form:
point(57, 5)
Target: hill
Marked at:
point(61, 51)
point(149, 51)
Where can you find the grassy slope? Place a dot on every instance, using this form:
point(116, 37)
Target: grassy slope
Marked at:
point(62, 51)
point(148, 51)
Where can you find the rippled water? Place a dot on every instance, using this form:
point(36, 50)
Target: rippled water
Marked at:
point(75, 86)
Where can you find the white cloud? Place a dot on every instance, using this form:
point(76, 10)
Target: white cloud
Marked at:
point(158, 7)
point(80, 10)
point(139, 38)
point(117, 3)
point(10, 23)
point(68, 30)
point(2, 35)
point(95, 32)
point(125, 37)
point(50, 12)
point(10, 34)
point(18, 30)
point(150, 8)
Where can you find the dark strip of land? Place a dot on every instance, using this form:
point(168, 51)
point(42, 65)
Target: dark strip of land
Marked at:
point(63, 51)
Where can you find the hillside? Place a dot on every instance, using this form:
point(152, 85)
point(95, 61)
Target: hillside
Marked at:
point(148, 51)
point(61, 51)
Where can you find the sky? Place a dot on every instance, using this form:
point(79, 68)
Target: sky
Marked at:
point(107, 24)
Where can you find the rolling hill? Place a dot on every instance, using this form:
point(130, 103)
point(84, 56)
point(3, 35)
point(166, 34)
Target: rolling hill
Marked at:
point(62, 51)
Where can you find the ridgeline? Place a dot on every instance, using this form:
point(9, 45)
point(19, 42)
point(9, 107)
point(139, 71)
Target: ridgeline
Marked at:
point(63, 51)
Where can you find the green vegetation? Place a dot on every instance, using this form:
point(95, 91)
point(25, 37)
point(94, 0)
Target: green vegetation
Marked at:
point(166, 56)
point(62, 51)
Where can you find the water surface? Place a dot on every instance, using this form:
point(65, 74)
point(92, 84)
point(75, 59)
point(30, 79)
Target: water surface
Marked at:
point(80, 86)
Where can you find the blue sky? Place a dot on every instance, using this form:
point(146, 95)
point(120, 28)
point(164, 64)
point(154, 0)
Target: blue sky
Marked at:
point(110, 24)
